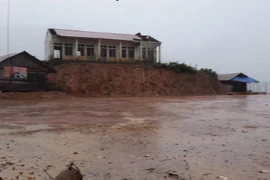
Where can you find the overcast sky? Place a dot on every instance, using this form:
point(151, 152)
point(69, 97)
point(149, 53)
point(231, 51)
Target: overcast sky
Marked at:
point(225, 35)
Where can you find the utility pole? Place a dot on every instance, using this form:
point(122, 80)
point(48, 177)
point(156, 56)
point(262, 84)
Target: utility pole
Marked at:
point(8, 24)
point(8, 17)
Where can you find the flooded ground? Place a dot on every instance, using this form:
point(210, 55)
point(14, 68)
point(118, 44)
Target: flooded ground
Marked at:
point(137, 138)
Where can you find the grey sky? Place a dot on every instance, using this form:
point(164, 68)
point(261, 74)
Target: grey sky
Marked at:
point(225, 35)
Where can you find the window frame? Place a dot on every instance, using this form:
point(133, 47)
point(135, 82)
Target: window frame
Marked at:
point(112, 51)
point(103, 51)
point(68, 45)
point(131, 49)
point(57, 44)
point(88, 48)
point(124, 52)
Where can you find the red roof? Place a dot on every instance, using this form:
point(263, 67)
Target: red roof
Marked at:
point(95, 35)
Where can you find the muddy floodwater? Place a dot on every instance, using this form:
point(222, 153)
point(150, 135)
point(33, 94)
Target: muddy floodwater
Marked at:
point(198, 138)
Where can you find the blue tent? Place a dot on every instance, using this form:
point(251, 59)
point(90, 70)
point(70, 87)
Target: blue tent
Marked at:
point(245, 80)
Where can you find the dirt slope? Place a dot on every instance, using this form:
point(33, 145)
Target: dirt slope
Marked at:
point(127, 80)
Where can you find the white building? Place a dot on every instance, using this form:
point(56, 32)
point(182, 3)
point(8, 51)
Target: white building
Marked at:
point(95, 46)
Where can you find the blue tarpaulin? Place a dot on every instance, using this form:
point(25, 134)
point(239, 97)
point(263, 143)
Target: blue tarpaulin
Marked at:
point(245, 80)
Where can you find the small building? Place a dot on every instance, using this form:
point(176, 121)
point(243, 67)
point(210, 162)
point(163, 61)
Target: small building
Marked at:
point(22, 72)
point(236, 82)
point(74, 45)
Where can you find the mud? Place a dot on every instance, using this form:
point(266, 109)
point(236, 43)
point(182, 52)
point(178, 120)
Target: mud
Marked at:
point(136, 138)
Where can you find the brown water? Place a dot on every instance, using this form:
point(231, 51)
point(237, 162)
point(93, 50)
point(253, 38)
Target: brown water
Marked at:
point(137, 138)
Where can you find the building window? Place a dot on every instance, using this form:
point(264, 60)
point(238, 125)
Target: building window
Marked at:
point(124, 52)
point(144, 53)
point(57, 44)
point(81, 48)
point(112, 51)
point(90, 50)
point(103, 52)
point(68, 49)
point(131, 52)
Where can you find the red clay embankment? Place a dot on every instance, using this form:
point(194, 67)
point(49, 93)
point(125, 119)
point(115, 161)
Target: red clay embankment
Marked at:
point(129, 80)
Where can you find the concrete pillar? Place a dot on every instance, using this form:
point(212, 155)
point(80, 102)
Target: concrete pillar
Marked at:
point(159, 53)
point(120, 50)
point(98, 49)
point(63, 51)
point(136, 52)
point(155, 53)
point(75, 49)
point(140, 51)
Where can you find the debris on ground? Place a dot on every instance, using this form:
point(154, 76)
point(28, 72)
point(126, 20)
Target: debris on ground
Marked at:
point(151, 169)
point(265, 171)
point(71, 173)
point(222, 177)
point(173, 174)
point(18, 177)
point(187, 165)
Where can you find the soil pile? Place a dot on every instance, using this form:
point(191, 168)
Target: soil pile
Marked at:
point(130, 80)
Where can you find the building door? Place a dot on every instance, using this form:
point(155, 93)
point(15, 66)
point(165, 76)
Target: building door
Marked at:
point(90, 52)
point(103, 53)
point(151, 54)
point(58, 52)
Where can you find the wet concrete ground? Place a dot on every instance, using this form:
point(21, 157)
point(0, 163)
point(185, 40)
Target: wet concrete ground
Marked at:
point(137, 138)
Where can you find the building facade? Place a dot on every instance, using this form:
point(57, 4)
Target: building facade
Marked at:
point(236, 82)
point(22, 72)
point(105, 47)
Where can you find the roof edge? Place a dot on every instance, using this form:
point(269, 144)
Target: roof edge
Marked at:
point(229, 76)
point(53, 29)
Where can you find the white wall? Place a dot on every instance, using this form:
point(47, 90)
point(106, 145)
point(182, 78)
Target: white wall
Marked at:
point(47, 46)
point(259, 87)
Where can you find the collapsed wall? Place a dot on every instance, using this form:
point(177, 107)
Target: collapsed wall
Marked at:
point(130, 80)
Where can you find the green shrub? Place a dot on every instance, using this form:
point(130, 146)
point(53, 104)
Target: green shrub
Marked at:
point(174, 66)
point(209, 72)
point(183, 68)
